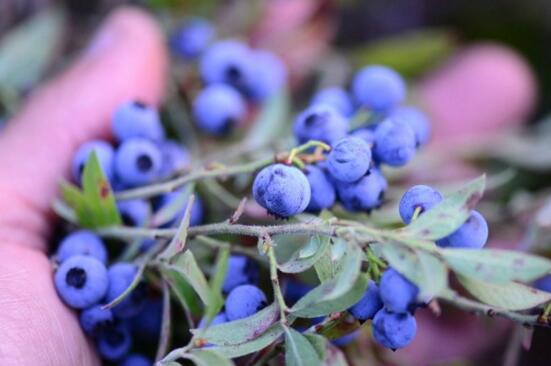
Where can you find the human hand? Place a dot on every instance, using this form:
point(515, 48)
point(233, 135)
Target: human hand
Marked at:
point(126, 60)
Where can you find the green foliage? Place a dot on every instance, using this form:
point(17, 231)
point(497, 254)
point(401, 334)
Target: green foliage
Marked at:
point(299, 351)
point(307, 256)
point(95, 206)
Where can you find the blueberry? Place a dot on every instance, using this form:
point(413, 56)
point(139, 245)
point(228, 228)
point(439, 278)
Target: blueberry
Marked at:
point(320, 122)
point(197, 210)
point(192, 38)
point(82, 242)
point(392, 330)
point(364, 195)
point(134, 212)
point(136, 360)
point(369, 304)
point(544, 283)
point(81, 281)
point(269, 75)
point(416, 120)
point(473, 234)
point(137, 162)
point(366, 134)
point(121, 276)
point(146, 325)
point(294, 291)
point(228, 62)
point(394, 143)
point(336, 97)
point(322, 191)
point(135, 119)
point(346, 339)
point(283, 190)
point(218, 108)
point(175, 158)
point(218, 319)
point(241, 271)
point(378, 88)
point(104, 152)
point(349, 159)
point(94, 320)
point(244, 301)
point(114, 343)
point(397, 292)
point(421, 196)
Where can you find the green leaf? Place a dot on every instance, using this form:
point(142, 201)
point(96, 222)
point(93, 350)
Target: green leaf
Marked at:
point(270, 122)
point(168, 212)
point(307, 256)
point(448, 215)
point(497, 265)
point(256, 343)
point(206, 357)
point(242, 330)
point(298, 350)
point(507, 295)
point(411, 53)
point(308, 307)
point(135, 282)
point(216, 299)
point(178, 243)
point(318, 342)
point(26, 52)
point(95, 204)
point(420, 267)
point(327, 265)
point(329, 354)
point(183, 292)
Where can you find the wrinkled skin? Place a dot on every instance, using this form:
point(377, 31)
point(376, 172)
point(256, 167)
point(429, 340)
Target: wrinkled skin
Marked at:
point(129, 62)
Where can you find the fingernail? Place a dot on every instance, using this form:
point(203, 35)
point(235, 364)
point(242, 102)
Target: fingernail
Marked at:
point(110, 32)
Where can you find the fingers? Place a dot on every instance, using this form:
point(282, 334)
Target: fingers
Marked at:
point(125, 60)
point(485, 89)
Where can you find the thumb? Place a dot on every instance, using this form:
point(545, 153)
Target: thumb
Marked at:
point(125, 60)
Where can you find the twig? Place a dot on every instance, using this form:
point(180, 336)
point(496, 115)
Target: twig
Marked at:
point(164, 339)
point(238, 212)
point(278, 295)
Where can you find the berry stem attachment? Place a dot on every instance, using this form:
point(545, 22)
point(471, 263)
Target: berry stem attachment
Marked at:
point(416, 213)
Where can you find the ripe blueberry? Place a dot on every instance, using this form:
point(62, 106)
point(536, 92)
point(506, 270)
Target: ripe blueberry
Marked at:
point(543, 283)
point(228, 62)
point(397, 292)
point(81, 281)
point(416, 120)
point(336, 97)
point(322, 191)
point(244, 301)
point(94, 320)
point(294, 291)
point(369, 304)
point(82, 242)
point(136, 360)
point(378, 88)
point(146, 326)
point(421, 196)
point(104, 152)
point(134, 212)
point(268, 76)
point(218, 319)
point(175, 158)
point(137, 162)
point(218, 108)
point(349, 159)
point(135, 119)
point(366, 134)
point(365, 194)
point(197, 210)
point(121, 276)
point(394, 143)
point(241, 271)
point(192, 38)
point(320, 122)
point(283, 190)
point(115, 342)
point(473, 234)
point(394, 330)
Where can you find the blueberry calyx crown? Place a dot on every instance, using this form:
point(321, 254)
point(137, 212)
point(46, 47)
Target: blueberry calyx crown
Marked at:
point(76, 277)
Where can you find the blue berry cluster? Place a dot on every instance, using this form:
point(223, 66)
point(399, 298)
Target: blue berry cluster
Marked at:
point(142, 155)
point(350, 172)
point(86, 282)
point(234, 76)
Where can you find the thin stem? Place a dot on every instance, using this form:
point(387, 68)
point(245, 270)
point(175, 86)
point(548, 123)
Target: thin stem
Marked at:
point(482, 309)
point(416, 213)
point(278, 295)
point(174, 184)
point(218, 244)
